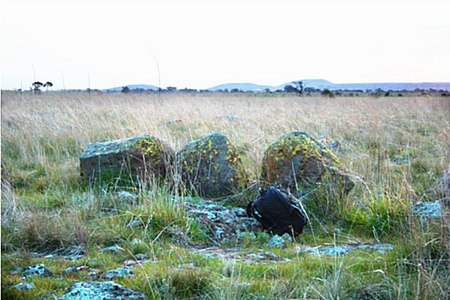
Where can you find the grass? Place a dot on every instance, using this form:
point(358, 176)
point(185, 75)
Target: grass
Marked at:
point(397, 148)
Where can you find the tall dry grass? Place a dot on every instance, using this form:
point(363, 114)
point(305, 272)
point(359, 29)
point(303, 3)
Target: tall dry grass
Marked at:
point(399, 147)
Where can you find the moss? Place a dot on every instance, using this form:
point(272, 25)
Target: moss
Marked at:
point(211, 167)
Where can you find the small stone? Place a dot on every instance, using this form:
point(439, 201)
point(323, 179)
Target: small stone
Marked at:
point(141, 256)
point(127, 196)
point(135, 223)
point(24, 286)
point(276, 242)
point(118, 273)
point(76, 269)
point(287, 238)
point(112, 249)
point(93, 275)
point(39, 270)
point(101, 291)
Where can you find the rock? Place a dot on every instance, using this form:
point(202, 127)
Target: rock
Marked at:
point(101, 291)
point(24, 286)
point(434, 210)
point(276, 242)
point(298, 160)
point(131, 161)
point(211, 167)
point(39, 270)
point(235, 254)
point(223, 223)
point(337, 250)
point(135, 223)
point(112, 249)
point(127, 196)
point(118, 273)
point(141, 256)
point(79, 269)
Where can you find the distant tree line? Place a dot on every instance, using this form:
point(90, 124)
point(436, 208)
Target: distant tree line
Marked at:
point(294, 88)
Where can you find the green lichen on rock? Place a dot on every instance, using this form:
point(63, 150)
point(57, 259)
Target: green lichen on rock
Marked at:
point(297, 161)
point(127, 162)
point(211, 167)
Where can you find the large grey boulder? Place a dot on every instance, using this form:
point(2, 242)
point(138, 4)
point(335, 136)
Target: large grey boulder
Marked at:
point(211, 167)
point(136, 160)
point(299, 163)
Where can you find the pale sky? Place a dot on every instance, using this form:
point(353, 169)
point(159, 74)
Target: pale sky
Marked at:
point(108, 43)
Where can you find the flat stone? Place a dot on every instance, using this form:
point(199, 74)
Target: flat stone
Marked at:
point(118, 273)
point(112, 249)
point(338, 250)
point(276, 242)
point(39, 270)
point(101, 291)
point(24, 286)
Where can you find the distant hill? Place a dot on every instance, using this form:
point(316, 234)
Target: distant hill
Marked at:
point(325, 84)
point(310, 83)
point(134, 87)
point(246, 87)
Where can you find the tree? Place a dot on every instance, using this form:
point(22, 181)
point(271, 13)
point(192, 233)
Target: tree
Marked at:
point(47, 85)
point(290, 89)
point(37, 86)
point(327, 93)
point(125, 89)
point(299, 85)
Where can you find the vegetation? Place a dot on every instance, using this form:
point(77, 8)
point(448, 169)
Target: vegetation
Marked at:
point(397, 148)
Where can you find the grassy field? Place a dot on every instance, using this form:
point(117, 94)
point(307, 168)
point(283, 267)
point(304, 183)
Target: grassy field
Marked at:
point(397, 147)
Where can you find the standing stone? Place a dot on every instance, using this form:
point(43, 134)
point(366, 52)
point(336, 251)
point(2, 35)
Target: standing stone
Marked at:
point(211, 167)
point(297, 162)
point(131, 161)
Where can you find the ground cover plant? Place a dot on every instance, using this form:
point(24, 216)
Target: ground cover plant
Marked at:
point(396, 148)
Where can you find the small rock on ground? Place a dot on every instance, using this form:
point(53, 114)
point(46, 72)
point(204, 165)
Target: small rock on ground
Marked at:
point(24, 286)
point(118, 273)
point(39, 270)
point(101, 291)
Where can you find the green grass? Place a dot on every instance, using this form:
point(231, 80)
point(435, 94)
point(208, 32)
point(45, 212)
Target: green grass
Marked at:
point(46, 206)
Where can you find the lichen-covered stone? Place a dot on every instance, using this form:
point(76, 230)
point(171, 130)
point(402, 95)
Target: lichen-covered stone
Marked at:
point(211, 167)
point(39, 270)
point(101, 291)
point(135, 161)
point(296, 161)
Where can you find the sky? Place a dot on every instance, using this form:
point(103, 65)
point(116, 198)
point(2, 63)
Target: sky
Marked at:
point(79, 44)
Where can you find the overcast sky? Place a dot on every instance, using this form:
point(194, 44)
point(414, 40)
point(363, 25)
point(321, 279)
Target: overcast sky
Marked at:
point(107, 43)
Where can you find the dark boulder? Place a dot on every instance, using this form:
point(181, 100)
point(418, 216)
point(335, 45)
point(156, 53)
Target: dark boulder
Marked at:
point(131, 161)
point(211, 167)
point(297, 162)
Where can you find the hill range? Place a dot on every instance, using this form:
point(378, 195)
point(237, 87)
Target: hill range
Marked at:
point(312, 83)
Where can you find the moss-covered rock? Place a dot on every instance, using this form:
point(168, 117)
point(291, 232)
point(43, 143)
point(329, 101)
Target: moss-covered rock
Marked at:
point(131, 161)
point(211, 167)
point(298, 162)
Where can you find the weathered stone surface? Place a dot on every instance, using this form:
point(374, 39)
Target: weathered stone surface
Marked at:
point(118, 273)
point(133, 160)
point(211, 167)
point(39, 270)
point(338, 250)
point(223, 223)
point(101, 291)
point(435, 210)
point(298, 160)
point(25, 286)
